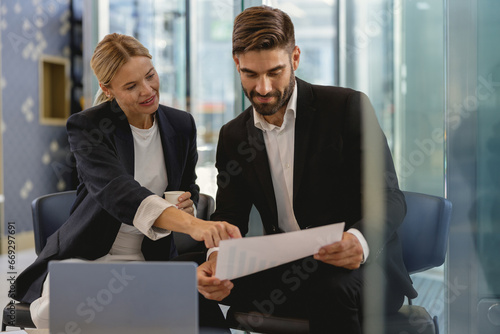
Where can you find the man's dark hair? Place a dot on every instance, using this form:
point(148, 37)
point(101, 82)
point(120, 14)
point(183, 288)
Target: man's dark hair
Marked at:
point(262, 28)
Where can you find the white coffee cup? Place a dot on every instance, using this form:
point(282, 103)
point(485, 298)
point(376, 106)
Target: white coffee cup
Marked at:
point(173, 196)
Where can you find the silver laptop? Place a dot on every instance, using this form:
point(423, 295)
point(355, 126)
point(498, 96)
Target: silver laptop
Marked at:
point(123, 297)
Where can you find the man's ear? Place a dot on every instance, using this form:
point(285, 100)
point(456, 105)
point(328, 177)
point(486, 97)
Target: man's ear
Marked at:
point(237, 63)
point(295, 58)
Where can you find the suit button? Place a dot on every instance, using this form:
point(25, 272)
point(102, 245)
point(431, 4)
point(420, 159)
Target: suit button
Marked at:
point(274, 229)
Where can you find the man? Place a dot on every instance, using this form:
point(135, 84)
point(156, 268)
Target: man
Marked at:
point(296, 155)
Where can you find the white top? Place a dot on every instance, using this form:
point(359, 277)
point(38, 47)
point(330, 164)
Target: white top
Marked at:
point(150, 171)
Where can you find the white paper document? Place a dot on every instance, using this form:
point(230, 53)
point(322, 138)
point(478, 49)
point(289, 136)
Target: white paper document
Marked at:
point(240, 257)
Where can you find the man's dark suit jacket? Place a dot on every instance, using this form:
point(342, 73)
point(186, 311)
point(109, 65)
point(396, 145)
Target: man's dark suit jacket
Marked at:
point(327, 180)
point(102, 143)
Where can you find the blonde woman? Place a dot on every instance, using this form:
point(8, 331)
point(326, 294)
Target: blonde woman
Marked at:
point(129, 149)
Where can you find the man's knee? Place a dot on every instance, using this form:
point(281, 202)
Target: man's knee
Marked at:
point(340, 286)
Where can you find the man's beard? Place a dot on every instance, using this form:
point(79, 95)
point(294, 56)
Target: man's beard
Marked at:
point(268, 109)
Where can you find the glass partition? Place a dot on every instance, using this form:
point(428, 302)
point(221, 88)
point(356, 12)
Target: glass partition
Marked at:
point(394, 51)
point(161, 27)
point(487, 100)
point(214, 94)
point(419, 87)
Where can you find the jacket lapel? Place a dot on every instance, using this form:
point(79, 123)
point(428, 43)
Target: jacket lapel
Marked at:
point(261, 163)
point(169, 144)
point(123, 138)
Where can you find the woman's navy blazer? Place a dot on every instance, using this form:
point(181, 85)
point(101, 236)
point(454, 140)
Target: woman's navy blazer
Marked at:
point(102, 143)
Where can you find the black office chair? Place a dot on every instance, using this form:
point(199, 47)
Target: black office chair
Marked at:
point(424, 236)
point(50, 212)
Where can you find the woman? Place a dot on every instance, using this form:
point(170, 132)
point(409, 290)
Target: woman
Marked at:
point(129, 149)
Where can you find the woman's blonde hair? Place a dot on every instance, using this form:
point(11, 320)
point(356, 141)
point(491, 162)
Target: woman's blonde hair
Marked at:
point(110, 54)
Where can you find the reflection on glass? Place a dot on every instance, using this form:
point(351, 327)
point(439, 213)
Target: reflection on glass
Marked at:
point(488, 157)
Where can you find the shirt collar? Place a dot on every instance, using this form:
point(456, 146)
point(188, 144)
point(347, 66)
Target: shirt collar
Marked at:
point(291, 108)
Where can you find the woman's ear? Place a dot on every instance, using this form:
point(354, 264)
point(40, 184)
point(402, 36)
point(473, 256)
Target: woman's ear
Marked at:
point(106, 90)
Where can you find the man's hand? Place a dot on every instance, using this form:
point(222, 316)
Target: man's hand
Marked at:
point(209, 286)
point(346, 253)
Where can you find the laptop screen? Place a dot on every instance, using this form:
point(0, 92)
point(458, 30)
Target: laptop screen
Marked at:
point(123, 297)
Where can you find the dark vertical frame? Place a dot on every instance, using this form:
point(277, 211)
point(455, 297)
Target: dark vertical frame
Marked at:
point(76, 57)
point(188, 55)
point(336, 44)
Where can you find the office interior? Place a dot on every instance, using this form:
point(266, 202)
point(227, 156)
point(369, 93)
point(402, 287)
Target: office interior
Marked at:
point(430, 67)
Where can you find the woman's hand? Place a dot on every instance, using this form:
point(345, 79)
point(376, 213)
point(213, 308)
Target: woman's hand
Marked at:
point(210, 232)
point(185, 203)
point(213, 232)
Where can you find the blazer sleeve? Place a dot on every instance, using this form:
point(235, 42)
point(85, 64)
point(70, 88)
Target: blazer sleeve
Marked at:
point(361, 121)
point(233, 201)
point(101, 170)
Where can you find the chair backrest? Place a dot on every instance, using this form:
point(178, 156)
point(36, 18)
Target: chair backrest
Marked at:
point(183, 242)
point(206, 206)
point(49, 213)
point(424, 231)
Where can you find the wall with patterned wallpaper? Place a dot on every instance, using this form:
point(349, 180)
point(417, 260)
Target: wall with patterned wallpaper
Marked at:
point(33, 154)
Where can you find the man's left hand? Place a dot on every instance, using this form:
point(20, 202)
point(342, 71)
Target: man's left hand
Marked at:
point(210, 286)
point(346, 253)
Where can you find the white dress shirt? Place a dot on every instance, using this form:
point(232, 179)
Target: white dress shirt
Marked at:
point(280, 152)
